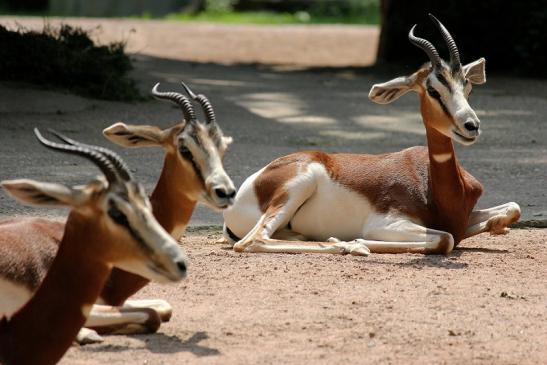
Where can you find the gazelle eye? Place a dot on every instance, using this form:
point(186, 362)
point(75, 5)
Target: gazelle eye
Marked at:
point(117, 216)
point(433, 93)
point(185, 152)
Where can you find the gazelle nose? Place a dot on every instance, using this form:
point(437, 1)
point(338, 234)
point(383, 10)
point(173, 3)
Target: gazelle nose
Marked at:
point(224, 193)
point(182, 267)
point(471, 125)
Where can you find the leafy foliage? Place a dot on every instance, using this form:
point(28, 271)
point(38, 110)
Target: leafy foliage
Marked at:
point(67, 58)
point(285, 12)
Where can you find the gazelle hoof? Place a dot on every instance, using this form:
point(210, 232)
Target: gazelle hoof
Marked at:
point(358, 248)
point(88, 336)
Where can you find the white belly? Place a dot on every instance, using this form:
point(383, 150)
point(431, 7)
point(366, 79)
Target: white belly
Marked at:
point(242, 216)
point(12, 297)
point(332, 211)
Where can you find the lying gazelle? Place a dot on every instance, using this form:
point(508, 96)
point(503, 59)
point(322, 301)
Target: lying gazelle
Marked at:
point(192, 172)
point(416, 200)
point(111, 223)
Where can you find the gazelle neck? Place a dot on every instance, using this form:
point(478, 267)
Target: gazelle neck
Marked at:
point(171, 204)
point(42, 331)
point(447, 184)
point(442, 155)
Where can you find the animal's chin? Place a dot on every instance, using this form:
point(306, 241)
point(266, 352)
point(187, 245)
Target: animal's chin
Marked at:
point(460, 138)
point(149, 271)
point(215, 205)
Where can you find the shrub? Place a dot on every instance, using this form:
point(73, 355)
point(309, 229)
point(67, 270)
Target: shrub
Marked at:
point(67, 58)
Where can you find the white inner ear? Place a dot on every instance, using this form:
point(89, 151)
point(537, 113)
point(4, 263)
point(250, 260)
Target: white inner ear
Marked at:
point(475, 71)
point(134, 136)
point(227, 141)
point(45, 194)
point(390, 91)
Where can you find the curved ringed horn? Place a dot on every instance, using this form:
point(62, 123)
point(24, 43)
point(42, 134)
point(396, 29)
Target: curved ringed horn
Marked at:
point(204, 102)
point(426, 46)
point(121, 167)
point(177, 98)
point(103, 163)
point(452, 48)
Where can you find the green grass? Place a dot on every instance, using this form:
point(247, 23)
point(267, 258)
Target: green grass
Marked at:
point(266, 17)
point(368, 15)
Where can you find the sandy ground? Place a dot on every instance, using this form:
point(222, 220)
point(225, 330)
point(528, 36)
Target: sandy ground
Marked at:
point(295, 45)
point(485, 303)
point(294, 309)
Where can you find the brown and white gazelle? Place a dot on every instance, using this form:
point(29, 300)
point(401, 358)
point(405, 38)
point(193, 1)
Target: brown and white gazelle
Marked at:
point(110, 223)
point(416, 200)
point(192, 172)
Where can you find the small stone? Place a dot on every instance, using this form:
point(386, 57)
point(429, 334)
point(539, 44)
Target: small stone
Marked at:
point(507, 295)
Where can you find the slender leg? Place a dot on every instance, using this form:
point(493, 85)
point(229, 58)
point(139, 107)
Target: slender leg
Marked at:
point(161, 307)
point(122, 320)
point(401, 235)
point(392, 236)
point(494, 220)
point(259, 238)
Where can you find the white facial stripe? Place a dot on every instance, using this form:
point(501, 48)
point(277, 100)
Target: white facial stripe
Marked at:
point(454, 100)
point(440, 87)
point(158, 247)
point(206, 156)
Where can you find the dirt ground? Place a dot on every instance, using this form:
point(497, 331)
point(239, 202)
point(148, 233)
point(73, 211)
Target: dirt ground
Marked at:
point(486, 303)
point(292, 45)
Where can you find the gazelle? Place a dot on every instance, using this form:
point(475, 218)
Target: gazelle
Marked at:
point(110, 223)
point(192, 172)
point(416, 200)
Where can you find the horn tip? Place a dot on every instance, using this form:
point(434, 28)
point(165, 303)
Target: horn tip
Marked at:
point(412, 29)
point(37, 133)
point(188, 90)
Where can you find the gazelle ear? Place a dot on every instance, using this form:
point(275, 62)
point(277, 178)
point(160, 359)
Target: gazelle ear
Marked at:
point(391, 90)
point(46, 194)
point(132, 136)
point(227, 140)
point(475, 71)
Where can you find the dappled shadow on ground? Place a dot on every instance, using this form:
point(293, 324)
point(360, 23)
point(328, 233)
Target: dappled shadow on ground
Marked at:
point(161, 344)
point(452, 261)
point(272, 111)
point(480, 249)
point(421, 261)
point(175, 344)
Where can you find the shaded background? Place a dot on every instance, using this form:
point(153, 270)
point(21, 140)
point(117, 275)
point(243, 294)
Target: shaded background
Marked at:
point(511, 35)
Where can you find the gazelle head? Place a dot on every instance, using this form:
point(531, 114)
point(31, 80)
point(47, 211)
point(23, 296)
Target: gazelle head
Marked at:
point(199, 147)
point(443, 87)
point(112, 215)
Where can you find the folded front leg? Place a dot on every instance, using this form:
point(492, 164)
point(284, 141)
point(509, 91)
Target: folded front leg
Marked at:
point(494, 220)
point(398, 235)
point(106, 319)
